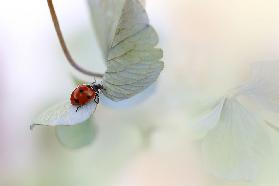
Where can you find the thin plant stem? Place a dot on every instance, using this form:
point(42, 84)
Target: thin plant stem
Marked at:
point(64, 46)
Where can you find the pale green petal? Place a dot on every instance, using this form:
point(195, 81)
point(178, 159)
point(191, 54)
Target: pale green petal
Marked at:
point(65, 114)
point(133, 19)
point(133, 63)
point(105, 15)
point(236, 147)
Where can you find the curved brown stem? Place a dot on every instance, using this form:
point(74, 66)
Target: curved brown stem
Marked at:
point(64, 46)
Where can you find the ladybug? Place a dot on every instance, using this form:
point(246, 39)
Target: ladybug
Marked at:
point(85, 93)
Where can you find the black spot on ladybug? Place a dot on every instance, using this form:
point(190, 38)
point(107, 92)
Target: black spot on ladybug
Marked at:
point(76, 100)
point(81, 91)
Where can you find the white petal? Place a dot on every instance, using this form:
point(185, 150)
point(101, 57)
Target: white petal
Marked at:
point(236, 147)
point(65, 114)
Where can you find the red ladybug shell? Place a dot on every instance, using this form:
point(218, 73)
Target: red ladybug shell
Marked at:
point(82, 95)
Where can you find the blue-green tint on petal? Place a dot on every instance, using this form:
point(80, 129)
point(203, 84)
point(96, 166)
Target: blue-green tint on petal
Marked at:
point(77, 136)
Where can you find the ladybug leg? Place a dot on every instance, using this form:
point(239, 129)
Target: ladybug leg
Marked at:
point(78, 108)
point(97, 100)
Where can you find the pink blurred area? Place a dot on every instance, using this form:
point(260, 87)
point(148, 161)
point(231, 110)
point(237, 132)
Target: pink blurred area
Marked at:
point(162, 168)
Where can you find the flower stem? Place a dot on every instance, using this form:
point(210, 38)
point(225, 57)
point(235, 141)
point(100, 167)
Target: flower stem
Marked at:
point(64, 46)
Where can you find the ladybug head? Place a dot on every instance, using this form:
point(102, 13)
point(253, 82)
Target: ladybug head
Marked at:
point(96, 87)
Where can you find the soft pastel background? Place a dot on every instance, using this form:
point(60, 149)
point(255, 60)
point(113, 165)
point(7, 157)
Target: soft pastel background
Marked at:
point(208, 48)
